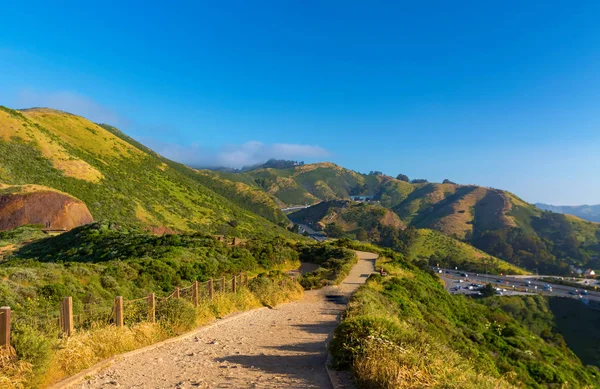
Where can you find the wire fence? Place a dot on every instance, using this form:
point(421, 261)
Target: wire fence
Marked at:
point(124, 312)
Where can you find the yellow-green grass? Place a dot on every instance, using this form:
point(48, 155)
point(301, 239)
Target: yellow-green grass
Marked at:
point(85, 348)
point(431, 243)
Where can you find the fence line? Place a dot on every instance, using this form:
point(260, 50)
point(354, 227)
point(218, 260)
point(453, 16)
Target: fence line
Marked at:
point(123, 311)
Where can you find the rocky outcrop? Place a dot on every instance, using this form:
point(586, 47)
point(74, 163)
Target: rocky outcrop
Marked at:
point(52, 209)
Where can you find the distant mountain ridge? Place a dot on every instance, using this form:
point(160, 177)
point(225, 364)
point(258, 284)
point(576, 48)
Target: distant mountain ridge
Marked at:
point(586, 212)
point(493, 220)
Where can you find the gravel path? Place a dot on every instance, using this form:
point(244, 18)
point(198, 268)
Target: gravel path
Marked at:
point(283, 347)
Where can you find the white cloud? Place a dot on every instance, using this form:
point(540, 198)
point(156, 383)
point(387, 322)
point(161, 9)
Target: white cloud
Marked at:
point(71, 102)
point(237, 156)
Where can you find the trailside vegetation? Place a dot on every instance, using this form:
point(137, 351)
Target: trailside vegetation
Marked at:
point(334, 263)
point(406, 331)
point(95, 263)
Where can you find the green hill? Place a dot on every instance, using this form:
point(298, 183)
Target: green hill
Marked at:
point(123, 181)
point(311, 183)
point(442, 250)
point(358, 219)
point(493, 220)
point(406, 331)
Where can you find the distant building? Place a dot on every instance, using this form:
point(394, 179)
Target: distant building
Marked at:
point(590, 273)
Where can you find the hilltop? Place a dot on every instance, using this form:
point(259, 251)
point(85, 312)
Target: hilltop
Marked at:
point(121, 180)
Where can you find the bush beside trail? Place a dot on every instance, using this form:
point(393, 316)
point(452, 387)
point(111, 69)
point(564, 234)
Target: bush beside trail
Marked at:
point(97, 262)
point(406, 331)
point(334, 263)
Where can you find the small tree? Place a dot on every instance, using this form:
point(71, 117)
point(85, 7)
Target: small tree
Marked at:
point(488, 290)
point(402, 177)
point(334, 230)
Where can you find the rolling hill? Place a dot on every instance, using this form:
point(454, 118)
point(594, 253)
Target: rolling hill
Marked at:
point(375, 223)
point(311, 183)
point(120, 180)
point(353, 218)
point(493, 220)
point(587, 212)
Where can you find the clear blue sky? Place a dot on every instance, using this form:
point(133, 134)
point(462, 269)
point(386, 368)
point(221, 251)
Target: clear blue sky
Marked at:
point(503, 94)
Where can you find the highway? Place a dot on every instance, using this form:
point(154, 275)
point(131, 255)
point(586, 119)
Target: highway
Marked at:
point(316, 235)
point(512, 283)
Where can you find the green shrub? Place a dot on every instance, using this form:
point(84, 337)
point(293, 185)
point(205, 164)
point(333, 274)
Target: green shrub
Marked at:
point(350, 336)
point(32, 346)
point(176, 315)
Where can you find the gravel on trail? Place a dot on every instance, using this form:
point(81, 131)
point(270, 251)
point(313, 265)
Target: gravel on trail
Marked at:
point(284, 347)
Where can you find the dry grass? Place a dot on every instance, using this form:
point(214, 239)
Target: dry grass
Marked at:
point(14, 374)
point(417, 365)
point(88, 347)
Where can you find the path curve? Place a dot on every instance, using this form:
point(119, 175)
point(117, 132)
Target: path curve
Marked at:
point(283, 347)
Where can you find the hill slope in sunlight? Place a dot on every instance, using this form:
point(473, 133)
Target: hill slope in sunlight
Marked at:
point(493, 220)
point(123, 181)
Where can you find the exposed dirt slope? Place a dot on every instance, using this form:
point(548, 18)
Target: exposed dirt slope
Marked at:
point(268, 348)
point(39, 205)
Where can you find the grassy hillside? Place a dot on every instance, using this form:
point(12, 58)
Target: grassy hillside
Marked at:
point(437, 248)
point(121, 180)
point(377, 224)
point(95, 263)
point(353, 218)
point(406, 331)
point(503, 225)
point(327, 181)
point(495, 221)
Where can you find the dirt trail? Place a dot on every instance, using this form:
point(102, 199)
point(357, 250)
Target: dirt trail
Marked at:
point(283, 347)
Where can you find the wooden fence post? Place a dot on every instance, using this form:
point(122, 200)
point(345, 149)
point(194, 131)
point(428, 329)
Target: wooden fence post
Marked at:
point(152, 308)
point(66, 312)
point(211, 289)
point(5, 327)
point(234, 283)
point(222, 284)
point(195, 293)
point(177, 293)
point(119, 311)
point(246, 279)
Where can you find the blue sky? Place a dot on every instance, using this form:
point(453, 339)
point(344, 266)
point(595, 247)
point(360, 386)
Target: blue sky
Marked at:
point(502, 94)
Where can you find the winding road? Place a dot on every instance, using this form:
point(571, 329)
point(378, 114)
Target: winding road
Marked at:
point(283, 347)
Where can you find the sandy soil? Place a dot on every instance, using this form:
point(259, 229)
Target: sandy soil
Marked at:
point(283, 347)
